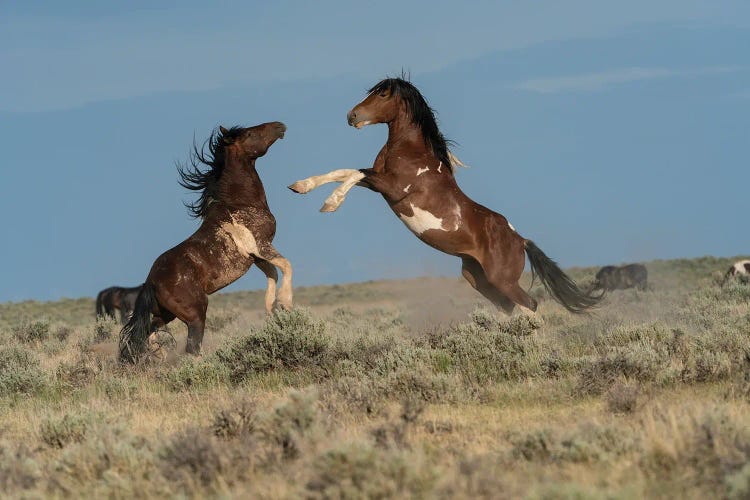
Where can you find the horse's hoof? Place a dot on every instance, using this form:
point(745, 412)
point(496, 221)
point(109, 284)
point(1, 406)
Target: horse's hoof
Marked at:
point(329, 207)
point(299, 187)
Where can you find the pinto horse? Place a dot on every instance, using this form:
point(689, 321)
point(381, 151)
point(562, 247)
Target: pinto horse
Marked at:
point(414, 173)
point(236, 232)
point(117, 298)
point(739, 268)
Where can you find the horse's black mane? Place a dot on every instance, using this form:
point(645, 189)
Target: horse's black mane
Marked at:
point(194, 179)
point(421, 114)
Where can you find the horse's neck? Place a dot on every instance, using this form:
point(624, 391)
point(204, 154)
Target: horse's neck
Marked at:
point(403, 132)
point(405, 140)
point(240, 185)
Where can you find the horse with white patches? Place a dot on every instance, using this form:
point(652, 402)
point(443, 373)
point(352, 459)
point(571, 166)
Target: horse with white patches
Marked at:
point(739, 268)
point(237, 231)
point(414, 173)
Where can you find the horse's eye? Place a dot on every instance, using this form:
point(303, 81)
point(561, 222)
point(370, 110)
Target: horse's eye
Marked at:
point(383, 94)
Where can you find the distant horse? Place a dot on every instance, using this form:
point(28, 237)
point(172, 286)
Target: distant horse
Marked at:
point(619, 278)
point(117, 298)
point(739, 268)
point(236, 232)
point(414, 173)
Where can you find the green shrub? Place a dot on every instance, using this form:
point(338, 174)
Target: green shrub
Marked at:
point(59, 432)
point(239, 420)
point(288, 340)
point(194, 457)
point(30, 332)
point(489, 349)
point(18, 468)
point(62, 333)
point(588, 443)
point(291, 422)
point(622, 397)
point(194, 373)
point(20, 372)
point(104, 329)
point(360, 471)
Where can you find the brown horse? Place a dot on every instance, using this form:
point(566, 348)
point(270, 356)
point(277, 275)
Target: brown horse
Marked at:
point(116, 298)
point(414, 173)
point(237, 231)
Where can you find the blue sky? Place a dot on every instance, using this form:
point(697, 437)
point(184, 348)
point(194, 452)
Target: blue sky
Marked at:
point(605, 131)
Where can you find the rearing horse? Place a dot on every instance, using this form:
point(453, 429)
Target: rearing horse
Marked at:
point(414, 173)
point(237, 230)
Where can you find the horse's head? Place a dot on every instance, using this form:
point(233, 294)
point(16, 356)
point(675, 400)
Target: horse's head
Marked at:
point(252, 142)
point(382, 104)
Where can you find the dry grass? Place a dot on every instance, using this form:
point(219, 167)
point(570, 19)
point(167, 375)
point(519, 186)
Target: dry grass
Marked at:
point(391, 389)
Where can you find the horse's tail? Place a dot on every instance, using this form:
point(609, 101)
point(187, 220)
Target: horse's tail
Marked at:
point(135, 333)
point(558, 284)
point(100, 304)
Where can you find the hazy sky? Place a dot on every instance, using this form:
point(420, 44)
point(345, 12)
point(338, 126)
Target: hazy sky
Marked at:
point(605, 131)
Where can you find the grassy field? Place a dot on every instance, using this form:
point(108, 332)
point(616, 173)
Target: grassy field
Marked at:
point(390, 389)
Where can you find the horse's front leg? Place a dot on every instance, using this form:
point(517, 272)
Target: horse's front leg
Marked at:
point(307, 185)
point(334, 201)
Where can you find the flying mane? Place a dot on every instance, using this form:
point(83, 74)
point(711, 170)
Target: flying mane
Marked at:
point(422, 116)
point(194, 178)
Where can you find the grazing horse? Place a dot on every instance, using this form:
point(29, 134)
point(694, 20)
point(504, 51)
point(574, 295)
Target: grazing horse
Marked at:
point(236, 232)
point(117, 297)
point(739, 268)
point(414, 173)
point(611, 278)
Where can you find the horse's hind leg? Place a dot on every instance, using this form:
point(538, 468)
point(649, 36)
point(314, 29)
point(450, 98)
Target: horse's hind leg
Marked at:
point(195, 336)
point(474, 274)
point(498, 277)
point(273, 277)
point(285, 290)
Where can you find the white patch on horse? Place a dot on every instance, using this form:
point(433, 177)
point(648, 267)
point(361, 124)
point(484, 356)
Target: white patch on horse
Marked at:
point(421, 220)
point(511, 226)
point(440, 166)
point(739, 267)
point(406, 189)
point(243, 238)
point(420, 171)
point(455, 218)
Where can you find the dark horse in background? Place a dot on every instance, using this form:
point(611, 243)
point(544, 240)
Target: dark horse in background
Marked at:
point(611, 278)
point(236, 232)
point(414, 173)
point(117, 298)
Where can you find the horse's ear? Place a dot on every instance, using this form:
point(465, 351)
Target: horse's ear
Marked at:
point(225, 135)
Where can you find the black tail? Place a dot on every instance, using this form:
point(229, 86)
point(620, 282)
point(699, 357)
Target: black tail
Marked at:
point(559, 284)
point(99, 304)
point(135, 333)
